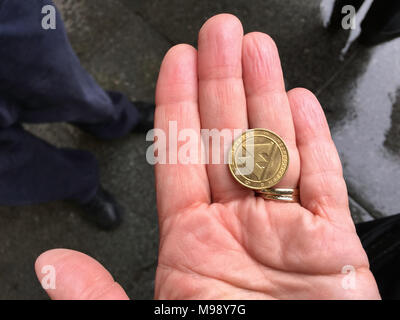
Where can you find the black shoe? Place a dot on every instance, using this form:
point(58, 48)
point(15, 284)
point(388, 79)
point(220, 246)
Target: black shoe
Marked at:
point(103, 210)
point(146, 111)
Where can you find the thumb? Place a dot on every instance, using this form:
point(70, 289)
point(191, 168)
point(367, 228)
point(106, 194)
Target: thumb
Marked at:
point(71, 275)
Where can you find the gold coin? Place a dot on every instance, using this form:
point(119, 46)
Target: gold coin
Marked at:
point(259, 159)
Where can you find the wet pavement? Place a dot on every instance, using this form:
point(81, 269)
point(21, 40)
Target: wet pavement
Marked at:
point(122, 42)
point(367, 138)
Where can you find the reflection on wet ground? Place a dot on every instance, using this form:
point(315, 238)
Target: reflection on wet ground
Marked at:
point(122, 42)
point(361, 137)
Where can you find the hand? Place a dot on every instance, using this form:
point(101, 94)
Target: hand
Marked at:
point(217, 239)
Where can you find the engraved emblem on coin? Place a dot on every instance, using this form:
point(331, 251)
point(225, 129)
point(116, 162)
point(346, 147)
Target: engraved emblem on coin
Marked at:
point(259, 159)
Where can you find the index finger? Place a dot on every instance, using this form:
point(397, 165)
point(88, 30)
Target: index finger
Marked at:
point(176, 100)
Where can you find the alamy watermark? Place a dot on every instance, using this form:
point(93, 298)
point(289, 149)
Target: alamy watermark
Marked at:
point(49, 21)
point(48, 281)
point(349, 20)
point(206, 146)
point(349, 280)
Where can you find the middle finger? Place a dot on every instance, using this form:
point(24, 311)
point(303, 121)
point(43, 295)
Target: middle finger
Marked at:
point(221, 93)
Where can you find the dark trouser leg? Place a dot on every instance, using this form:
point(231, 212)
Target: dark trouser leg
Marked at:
point(43, 81)
point(382, 22)
point(32, 171)
point(381, 241)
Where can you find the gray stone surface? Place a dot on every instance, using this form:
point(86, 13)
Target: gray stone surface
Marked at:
point(310, 55)
point(121, 43)
point(115, 45)
point(392, 141)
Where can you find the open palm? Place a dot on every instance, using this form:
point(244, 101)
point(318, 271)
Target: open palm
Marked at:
point(217, 239)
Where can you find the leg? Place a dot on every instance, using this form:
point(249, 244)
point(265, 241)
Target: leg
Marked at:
point(48, 84)
point(32, 171)
point(382, 22)
point(381, 242)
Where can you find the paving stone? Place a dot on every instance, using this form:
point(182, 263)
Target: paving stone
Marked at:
point(131, 62)
point(91, 23)
point(310, 55)
point(115, 45)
